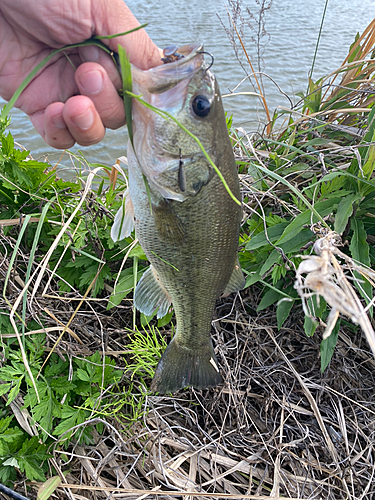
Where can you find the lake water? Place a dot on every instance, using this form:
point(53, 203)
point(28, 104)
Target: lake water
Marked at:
point(292, 27)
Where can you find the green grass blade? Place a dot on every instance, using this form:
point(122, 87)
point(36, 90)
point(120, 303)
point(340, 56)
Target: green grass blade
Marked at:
point(342, 173)
point(344, 211)
point(296, 191)
point(12, 259)
point(127, 87)
point(92, 257)
point(108, 37)
point(360, 251)
point(135, 279)
point(284, 181)
point(318, 40)
point(6, 109)
point(31, 261)
point(93, 41)
point(14, 254)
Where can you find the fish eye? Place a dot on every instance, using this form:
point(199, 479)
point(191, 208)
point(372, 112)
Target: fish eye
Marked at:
point(201, 105)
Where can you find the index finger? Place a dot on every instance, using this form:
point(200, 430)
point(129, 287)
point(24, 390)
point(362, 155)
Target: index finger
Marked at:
point(115, 17)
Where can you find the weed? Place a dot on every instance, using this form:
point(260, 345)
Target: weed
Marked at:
point(146, 349)
point(64, 401)
point(307, 178)
point(57, 233)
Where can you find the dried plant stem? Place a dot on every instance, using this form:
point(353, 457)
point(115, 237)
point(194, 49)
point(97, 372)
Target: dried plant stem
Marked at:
point(268, 127)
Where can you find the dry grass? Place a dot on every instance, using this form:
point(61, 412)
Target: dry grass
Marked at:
point(357, 72)
point(326, 278)
point(276, 428)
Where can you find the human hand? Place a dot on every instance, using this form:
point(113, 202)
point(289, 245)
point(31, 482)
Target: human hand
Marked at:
point(68, 105)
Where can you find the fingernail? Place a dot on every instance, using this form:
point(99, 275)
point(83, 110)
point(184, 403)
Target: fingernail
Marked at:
point(85, 120)
point(58, 122)
point(91, 82)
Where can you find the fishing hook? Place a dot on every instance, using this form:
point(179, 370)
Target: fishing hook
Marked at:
point(209, 54)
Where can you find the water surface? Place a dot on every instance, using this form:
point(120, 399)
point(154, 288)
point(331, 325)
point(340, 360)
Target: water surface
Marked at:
point(292, 27)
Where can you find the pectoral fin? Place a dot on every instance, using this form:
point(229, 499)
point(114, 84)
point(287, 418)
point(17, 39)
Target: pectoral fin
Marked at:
point(236, 281)
point(123, 224)
point(167, 223)
point(150, 295)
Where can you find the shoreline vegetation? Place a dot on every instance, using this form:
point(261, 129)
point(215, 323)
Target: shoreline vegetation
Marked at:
point(295, 415)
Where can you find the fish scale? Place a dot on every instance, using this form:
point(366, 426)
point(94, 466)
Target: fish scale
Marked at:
point(190, 236)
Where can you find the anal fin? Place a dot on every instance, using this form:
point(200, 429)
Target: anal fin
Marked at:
point(236, 281)
point(150, 295)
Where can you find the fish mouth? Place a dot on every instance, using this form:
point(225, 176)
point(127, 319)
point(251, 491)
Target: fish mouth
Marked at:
point(171, 164)
point(189, 60)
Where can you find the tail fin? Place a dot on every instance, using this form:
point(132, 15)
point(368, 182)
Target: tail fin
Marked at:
point(180, 367)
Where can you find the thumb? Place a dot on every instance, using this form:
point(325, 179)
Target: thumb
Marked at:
point(114, 16)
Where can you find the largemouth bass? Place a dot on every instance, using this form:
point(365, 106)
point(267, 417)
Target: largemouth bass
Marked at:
point(184, 218)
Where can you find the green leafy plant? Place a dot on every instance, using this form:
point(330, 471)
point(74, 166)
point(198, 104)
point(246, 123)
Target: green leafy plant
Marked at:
point(64, 402)
point(146, 347)
point(59, 396)
point(20, 452)
point(311, 188)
